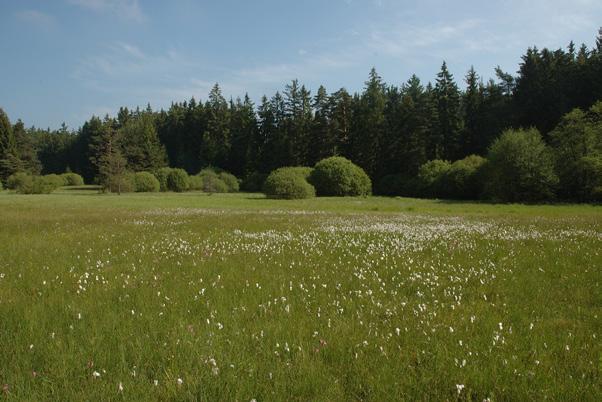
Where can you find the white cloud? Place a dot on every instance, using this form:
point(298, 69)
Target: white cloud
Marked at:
point(126, 9)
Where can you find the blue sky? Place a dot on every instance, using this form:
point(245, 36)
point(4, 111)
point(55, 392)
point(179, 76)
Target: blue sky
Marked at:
point(64, 60)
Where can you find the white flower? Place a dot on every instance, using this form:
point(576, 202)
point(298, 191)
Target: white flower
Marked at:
point(95, 374)
point(156, 382)
point(179, 381)
point(120, 387)
point(459, 387)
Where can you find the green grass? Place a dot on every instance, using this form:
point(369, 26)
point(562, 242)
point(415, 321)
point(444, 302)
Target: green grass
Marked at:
point(242, 298)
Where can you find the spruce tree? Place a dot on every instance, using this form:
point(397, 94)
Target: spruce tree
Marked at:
point(449, 122)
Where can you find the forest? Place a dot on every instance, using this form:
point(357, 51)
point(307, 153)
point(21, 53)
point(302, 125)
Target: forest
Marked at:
point(548, 114)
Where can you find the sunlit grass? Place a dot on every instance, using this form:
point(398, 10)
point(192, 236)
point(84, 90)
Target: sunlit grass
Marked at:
point(236, 297)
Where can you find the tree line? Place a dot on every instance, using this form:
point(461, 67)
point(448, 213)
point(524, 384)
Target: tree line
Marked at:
point(387, 130)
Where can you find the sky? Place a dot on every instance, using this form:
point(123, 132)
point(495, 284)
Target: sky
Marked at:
point(66, 60)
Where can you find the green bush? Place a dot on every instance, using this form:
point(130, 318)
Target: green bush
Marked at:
point(177, 180)
point(288, 183)
point(25, 184)
point(337, 176)
point(145, 182)
point(1, 187)
point(195, 183)
point(124, 183)
point(161, 175)
point(520, 168)
point(590, 170)
point(72, 179)
point(464, 178)
point(54, 180)
point(253, 182)
point(231, 182)
point(17, 180)
point(212, 183)
point(431, 180)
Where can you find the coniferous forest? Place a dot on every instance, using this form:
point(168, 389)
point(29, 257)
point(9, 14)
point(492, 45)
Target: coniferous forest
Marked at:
point(414, 139)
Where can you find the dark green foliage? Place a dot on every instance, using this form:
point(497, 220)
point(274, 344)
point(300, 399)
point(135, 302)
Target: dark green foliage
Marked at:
point(338, 176)
point(253, 182)
point(589, 169)
point(72, 179)
point(431, 180)
point(520, 168)
point(390, 185)
point(288, 183)
point(140, 143)
point(446, 139)
point(9, 162)
point(145, 182)
point(177, 180)
point(464, 179)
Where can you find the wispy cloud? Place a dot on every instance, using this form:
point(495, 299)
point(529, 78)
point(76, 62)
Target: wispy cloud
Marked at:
point(127, 9)
point(37, 18)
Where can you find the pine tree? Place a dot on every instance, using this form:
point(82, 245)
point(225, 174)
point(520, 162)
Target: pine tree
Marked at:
point(25, 148)
point(340, 106)
point(216, 138)
point(472, 107)
point(449, 122)
point(9, 161)
point(111, 163)
point(140, 143)
point(368, 124)
point(243, 127)
point(323, 142)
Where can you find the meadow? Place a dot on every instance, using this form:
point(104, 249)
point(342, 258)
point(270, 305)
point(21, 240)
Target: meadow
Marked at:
point(237, 297)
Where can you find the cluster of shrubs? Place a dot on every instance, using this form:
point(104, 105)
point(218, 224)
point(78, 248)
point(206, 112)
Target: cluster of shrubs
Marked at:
point(25, 183)
point(519, 167)
point(208, 180)
point(334, 176)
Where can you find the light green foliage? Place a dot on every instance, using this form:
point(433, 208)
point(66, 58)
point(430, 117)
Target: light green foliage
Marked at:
point(520, 168)
point(145, 182)
point(431, 178)
point(177, 180)
point(212, 183)
point(327, 299)
point(72, 179)
point(338, 176)
point(17, 180)
point(24, 183)
point(55, 180)
point(289, 183)
point(464, 178)
point(161, 175)
point(195, 183)
point(231, 182)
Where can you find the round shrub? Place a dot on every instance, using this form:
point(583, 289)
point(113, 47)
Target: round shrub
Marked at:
point(231, 182)
point(195, 183)
point(161, 175)
point(464, 178)
point(286, 183)
point(54, 180)
point(338, 176)
point(122, 183)
point(177, 180)
point(253, 182)
point(520, 168)
point(212, 183)
point(37, 184)
point(72, 179)
point(17, 180)
point(431, 178)
point(145, 182)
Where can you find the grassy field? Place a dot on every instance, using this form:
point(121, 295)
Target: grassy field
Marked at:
point(235, 297)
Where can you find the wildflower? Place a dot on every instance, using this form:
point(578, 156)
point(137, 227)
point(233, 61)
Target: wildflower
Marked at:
point(95, 374)
point(459, 387)
point(180, 381)
point(156, 382)
point(120, 387)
